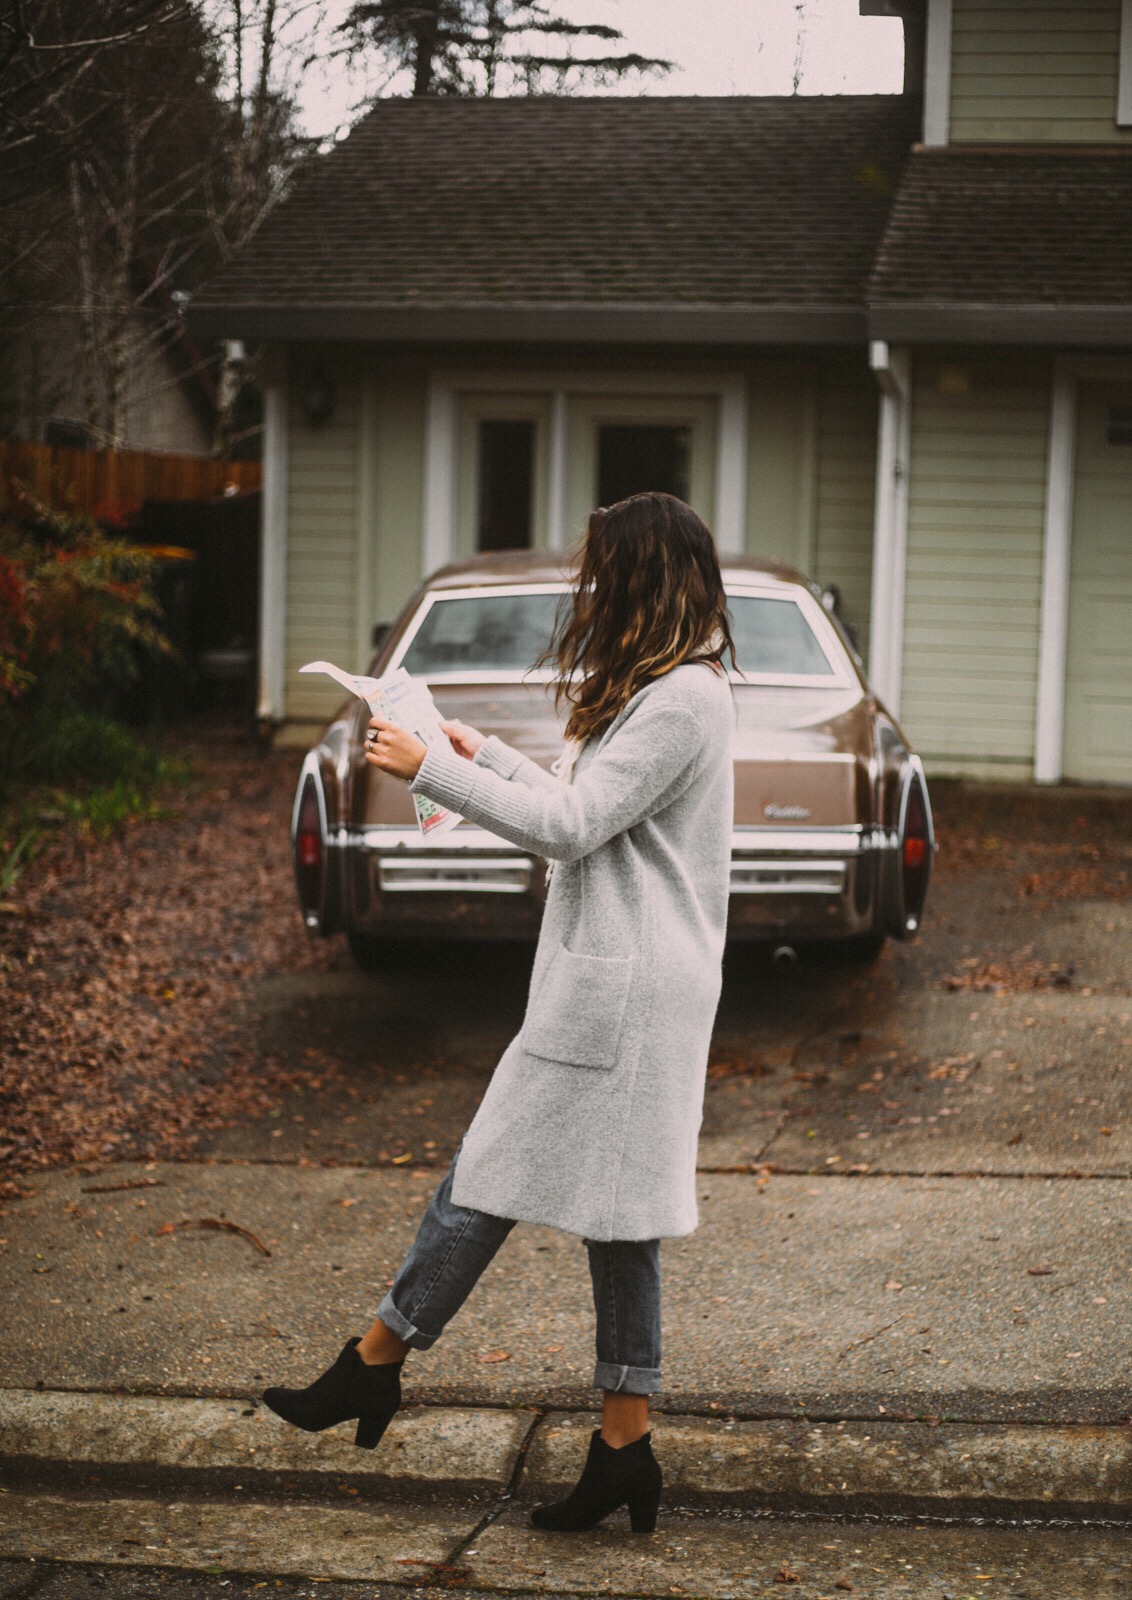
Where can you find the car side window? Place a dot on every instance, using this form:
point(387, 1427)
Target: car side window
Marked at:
point(772, 636)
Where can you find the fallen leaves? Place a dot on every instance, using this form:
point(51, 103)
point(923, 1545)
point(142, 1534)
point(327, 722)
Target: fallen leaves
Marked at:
point(152, 936)
point(786, 1575)
point(218, 1225)
point(490, 1356)
point(1023, 974)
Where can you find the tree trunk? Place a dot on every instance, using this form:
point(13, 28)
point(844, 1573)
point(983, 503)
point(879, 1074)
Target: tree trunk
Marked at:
point(88, 330)
point(427, 35)
point(122, 305)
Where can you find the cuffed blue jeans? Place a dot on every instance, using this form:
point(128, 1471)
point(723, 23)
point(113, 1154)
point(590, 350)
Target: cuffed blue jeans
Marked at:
point(453, 1246)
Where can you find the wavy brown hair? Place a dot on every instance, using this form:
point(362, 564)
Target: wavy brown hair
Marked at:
point(649, 598)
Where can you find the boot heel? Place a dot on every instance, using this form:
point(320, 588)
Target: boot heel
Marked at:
point(643, 1507)
point(370, 1429)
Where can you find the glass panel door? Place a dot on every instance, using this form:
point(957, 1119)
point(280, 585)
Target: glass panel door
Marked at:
point(636, 457)
point(506, 485)
point(622, 444)
point(501, 472)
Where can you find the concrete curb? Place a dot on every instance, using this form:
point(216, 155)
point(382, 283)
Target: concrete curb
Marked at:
point(953, 1469)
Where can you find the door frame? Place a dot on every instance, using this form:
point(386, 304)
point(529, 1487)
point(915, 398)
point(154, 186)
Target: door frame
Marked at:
point(441, 455)
point(1069, 372)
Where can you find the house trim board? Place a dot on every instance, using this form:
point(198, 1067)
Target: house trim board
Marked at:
point(893, 369)
point(1124, 77)
point(438, 533)
point(937, 74)
point(1049, 730)
point(559, 458)
point(933, 323)
point(273, 553)
point(535, 324)
point(438, 540)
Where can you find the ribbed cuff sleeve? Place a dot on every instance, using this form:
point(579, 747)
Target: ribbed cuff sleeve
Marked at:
point(446, 778)
point(498, 757)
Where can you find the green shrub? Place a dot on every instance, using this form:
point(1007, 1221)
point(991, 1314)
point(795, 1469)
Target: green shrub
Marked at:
point(78, 621)
point(85, 748)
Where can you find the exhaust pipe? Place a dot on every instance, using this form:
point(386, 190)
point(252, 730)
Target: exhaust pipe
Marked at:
point(785, 956)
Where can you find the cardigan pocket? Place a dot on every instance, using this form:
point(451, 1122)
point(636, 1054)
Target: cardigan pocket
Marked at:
point(579, 1009)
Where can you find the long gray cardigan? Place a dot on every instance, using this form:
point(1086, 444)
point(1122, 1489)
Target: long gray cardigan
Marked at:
point(591, 1119)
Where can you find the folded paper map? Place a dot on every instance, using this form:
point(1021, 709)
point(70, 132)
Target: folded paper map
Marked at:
point(406, 701)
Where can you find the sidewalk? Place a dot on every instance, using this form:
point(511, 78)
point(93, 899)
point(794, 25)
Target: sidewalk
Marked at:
point(867, 1343)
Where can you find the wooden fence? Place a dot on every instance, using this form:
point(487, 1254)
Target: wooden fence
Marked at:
point(113, 482)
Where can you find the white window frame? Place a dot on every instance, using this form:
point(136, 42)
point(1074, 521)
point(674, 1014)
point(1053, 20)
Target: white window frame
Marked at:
point(728, 389)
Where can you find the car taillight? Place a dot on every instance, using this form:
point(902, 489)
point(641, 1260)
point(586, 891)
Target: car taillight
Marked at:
point(308, 851)
point(916, 854)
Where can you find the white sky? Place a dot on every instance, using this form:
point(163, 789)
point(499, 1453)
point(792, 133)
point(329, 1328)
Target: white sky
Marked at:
point(719, 46)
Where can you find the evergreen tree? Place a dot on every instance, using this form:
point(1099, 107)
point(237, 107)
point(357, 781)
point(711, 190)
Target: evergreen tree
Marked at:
point(489, 46)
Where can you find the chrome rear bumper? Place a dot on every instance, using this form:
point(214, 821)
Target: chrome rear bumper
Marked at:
point(819, 867)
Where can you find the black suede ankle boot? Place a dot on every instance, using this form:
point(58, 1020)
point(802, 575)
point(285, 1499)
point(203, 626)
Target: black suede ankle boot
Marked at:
point(350, 1388)
point(626, 1477)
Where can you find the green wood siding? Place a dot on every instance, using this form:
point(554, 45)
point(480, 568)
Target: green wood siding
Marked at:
point(781, 412)
point(356, 489)
point(811, 475)
point(322, 543)
point(848, 409)
point(399, 490)
point(1022, 71)
point(975, 524)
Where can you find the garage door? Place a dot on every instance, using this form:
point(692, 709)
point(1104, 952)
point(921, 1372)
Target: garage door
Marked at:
point(1098, 697)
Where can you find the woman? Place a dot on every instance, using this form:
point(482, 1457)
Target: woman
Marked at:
point(590, 1121)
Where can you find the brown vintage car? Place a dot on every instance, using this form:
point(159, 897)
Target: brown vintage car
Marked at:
point(833, 835)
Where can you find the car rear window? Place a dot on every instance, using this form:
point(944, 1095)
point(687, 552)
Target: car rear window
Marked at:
point(509, 632)
point(482, 633)
point(772, 636)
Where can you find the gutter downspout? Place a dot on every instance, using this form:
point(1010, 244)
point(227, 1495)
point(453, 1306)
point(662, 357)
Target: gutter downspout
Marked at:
point(273, 554)
point(893, 369)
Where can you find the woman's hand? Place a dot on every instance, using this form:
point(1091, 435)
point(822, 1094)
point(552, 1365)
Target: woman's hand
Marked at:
point(465, 741)
point(394, 749)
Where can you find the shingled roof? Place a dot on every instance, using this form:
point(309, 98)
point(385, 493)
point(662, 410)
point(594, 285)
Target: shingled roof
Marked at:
point(1022, 246)
point(665, 218)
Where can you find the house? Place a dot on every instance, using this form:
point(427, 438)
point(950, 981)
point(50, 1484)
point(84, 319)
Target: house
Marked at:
point(887, 338)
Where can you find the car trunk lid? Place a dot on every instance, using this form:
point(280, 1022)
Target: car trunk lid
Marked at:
point(802, 757)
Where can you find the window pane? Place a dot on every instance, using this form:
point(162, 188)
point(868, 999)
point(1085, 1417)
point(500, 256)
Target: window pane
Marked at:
point(773, 636)
point(492, 633)
point(634, 458)
point(506, 475)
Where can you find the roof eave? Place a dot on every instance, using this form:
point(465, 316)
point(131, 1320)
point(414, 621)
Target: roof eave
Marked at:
point(532, 323)
point(912, 322)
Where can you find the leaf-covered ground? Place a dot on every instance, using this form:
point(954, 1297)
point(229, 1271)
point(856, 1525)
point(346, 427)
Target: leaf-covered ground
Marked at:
point(126, 963)
point(123, 963)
